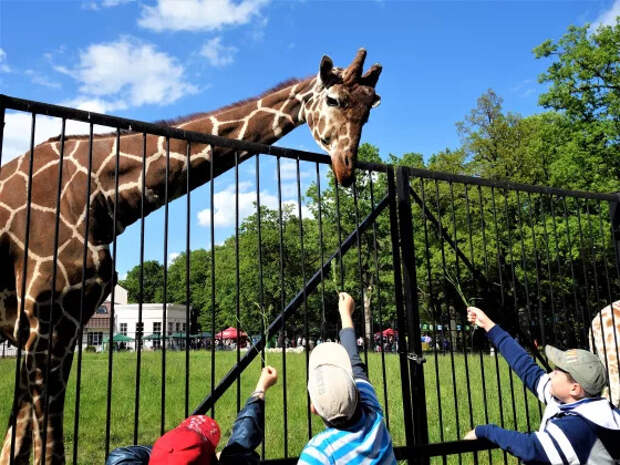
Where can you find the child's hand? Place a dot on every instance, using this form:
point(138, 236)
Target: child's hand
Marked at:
point(479, 318)
point(471, 435)
point(346, 304)
point(268, 377)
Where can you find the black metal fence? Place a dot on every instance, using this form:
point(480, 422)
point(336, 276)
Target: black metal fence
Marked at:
point(408, 244)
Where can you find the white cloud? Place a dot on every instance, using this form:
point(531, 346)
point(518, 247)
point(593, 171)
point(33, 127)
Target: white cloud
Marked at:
point(224, 215)
point(607, 18)
point(132, 72)
point(199, 15)
point(37, 78)
point(18, 127)
point(4, 68)
point(218, 55)
point(172, 257)
point(97, 5)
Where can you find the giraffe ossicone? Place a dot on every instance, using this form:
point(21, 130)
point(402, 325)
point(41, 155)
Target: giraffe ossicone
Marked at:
point(335, 104)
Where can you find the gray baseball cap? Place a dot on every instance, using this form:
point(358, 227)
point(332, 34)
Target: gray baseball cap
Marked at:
point(584, 366)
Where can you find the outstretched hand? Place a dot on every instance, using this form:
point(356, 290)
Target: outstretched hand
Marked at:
point(471, 435)
point(268, 377)
point(479, 318)
point(346, 306)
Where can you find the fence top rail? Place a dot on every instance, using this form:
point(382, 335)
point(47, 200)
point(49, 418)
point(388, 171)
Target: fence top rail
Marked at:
point(14, 103)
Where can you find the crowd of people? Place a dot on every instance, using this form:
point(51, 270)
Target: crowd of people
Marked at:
point(578, 425)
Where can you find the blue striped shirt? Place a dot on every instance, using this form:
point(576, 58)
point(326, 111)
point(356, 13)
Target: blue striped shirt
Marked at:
point(366, 442)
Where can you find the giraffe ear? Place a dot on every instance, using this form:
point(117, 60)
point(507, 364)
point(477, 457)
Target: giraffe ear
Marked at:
point(372, 75)
point(326, 71)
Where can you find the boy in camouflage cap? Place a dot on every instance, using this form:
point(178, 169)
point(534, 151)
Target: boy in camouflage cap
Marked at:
point(578, 426)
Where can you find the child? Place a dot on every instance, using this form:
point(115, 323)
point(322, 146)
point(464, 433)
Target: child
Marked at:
point(343, 397)
point(578, 426)
point(194, 441)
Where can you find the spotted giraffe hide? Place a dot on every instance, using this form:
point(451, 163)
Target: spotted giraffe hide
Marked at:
point(606, 327)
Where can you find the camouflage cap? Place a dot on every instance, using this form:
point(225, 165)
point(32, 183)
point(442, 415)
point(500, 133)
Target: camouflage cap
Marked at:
point(584, 366)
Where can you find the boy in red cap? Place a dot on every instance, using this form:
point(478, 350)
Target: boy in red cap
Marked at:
point(194, 441)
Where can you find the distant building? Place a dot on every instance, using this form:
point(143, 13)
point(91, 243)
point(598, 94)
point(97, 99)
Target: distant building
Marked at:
point(126, 322)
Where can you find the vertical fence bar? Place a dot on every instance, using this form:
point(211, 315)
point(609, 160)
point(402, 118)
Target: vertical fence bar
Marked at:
point(108, 415)
point(138, 338)
point(515, 302)
point(531, 222)
point(339, 223)
point(463, 338)
point(78, 381)
point(237, 278)
point(359, 266)
point(559, 267)
point(379, 306)
point(322, 253)
point(188, 254)
point(444, 265)
point(20, 321)
point(415, 358)
point(473, 280)
point(549, 271)
point(50, 322)
point(524, 269)
point(282, 306)
point(433, 302)
point(162, 423)
point(578, 308)
point(481, 205)
point(261, 297)
point(305, 297)
point(404, 371)
point(212, 231)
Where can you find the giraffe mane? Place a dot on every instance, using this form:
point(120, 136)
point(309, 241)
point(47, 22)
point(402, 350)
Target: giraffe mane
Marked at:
point(183, 119)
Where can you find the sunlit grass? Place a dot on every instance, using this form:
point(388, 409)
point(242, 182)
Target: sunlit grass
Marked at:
point(92, 421)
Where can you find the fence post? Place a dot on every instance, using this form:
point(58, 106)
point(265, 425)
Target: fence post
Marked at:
point(414, 357)
point(402, 343)
point(614, 216)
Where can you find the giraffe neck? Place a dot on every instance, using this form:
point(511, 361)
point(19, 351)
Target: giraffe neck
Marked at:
point(263, 120)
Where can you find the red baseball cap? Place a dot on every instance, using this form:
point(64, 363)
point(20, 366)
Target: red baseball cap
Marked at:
point(193, 442)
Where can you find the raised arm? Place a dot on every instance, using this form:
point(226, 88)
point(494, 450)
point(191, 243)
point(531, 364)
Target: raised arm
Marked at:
point(519, 360)
point(346, 306)
point(247, 431)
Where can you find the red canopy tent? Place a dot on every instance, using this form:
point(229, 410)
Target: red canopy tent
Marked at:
point(387, 332)
point(231, 333)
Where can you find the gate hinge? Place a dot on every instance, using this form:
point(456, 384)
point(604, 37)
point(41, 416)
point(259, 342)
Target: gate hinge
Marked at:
point(419, 359)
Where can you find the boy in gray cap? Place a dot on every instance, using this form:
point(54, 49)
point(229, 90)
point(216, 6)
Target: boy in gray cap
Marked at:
point(343, 397)
point(578, 426)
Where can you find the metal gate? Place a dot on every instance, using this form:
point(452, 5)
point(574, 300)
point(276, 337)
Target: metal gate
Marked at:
point(407, 243)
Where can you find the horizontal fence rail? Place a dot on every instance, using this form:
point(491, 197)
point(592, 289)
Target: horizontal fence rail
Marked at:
point(260, 251)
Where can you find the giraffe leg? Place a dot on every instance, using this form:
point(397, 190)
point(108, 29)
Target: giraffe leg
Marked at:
point(23, 426)
point(54, 386)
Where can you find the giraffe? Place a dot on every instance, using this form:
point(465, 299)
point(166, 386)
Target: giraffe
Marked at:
point(335, 104)
point(608, 350)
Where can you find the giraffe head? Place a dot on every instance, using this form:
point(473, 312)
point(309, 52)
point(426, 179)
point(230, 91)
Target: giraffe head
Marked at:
point(340, 106)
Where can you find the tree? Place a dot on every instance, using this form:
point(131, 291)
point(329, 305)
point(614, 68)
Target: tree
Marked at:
point(153, 282)
point(584, 83)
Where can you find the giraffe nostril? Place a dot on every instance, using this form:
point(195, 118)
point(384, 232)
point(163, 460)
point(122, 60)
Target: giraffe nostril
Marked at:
point(346, 161)
point(324, 140)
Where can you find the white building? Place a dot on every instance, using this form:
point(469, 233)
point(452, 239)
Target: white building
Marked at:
point(126, 322)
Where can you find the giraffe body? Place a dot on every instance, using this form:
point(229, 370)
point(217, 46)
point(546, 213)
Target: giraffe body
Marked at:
point(335, 104)
point(604, 341)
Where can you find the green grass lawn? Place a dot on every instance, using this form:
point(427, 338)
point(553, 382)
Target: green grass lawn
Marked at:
point(91, 440)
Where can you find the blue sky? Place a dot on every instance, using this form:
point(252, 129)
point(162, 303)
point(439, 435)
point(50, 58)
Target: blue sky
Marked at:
point(159, 59)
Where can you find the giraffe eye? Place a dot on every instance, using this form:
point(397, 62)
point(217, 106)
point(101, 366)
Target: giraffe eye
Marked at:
point(331, 102)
